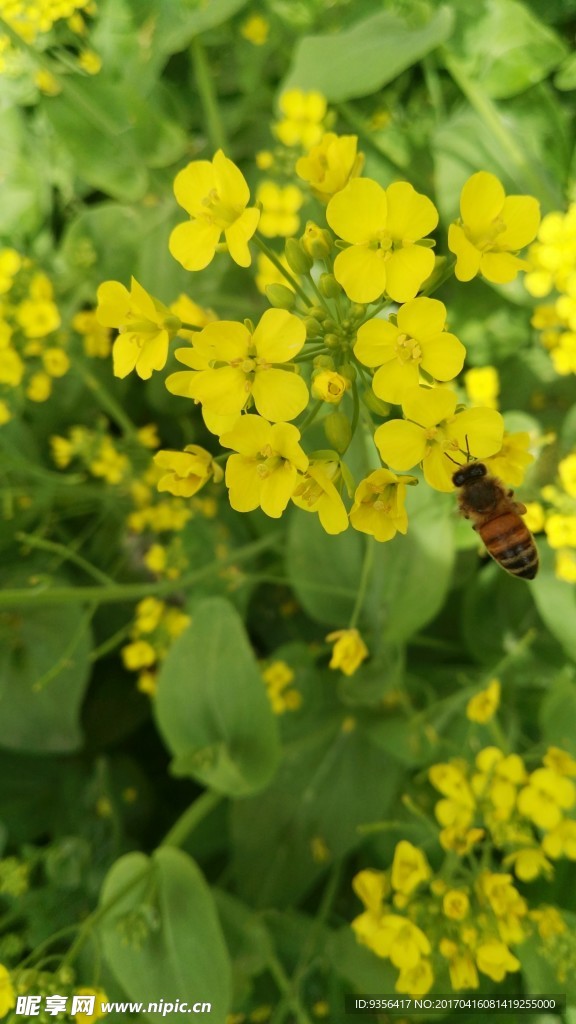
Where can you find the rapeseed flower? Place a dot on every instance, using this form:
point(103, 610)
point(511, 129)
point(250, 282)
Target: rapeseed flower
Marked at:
point(384, 228)
point(511, 461)
point(433, 430)
point(255, 29)
point(7, 992)
point(317, 493)
point(482, 386)
point(495, 960)
point(331, 164)
point(545, 797)
point(216, 196)
point(349, 650)
point(378, 507)
point(567, 473)
point(417, 339)
point(231, 365)
point(483, 706)
point(280, 205)
point(409, 868)
point(303, 113)
point(145, 327)
point(330, 386)
point(264, 472)
point(188, 470)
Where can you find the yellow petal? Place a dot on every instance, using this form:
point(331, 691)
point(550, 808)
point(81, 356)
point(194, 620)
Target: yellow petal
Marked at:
point(410, 214)
point(521, 215)
point(422, 318)
point(194, 243)
point(277, 490)
point(429, 406)
point(113, 304)
point(180, 383)
point(359, 211)
point(438, 469)
point(226, 340)
point(125, 353)
point(218, 424)
point(481, 429)
point(279, 394)
point(249, 435)
point(393, 379)
point(481, 201)
point(401, 445)
point(193, 184)
point(467, 255)
point(230, 181)
point(243, 483)
point(375, 342)
point(361, 272)
point(284, 439)
point(500, 267)
point(406, 271)
point(279, 336)
point(224, 391)
point(153, 355)
point(238, 235)
point(443, 356)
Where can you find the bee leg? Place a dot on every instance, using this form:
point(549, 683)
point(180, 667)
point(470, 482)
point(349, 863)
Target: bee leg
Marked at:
point(519, 507)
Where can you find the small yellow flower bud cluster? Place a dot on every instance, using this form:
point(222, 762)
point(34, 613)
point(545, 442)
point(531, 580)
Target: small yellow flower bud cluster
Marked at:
point(278, 677)
point(155, 626)
point(32, 347)
point(552, 262)
point(33, 21)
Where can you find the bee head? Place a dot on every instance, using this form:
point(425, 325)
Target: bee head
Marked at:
point(473, 471)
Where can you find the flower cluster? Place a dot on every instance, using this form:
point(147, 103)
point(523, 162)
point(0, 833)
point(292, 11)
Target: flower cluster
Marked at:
point(33, 21)
point(32, 347)
point(497, 820)
point(283, 696)
point(552, 273)
point(352, 330)
point(155, 626)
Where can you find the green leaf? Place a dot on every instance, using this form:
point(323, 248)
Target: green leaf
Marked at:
point(174, 23)
point(556, 602)
point(161, 935)
point(44, 671)
point(505, 47)
point(565, 77)
point(558, 712)
point(360, 60)
point(410, 574)
point(331, 781)
point(497, 612)
point(212, 708)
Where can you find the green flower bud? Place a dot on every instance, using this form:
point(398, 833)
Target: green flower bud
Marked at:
point(375, 404)
point(280, 296)
point(332, 340)
point(313, 328)
point(297, 259)
point(318, 312)
point(330, 325)
point(317, 242)
point(329, 286)
point(348, 371)
point(323, 363)
point(338, 430)
point(357, 311)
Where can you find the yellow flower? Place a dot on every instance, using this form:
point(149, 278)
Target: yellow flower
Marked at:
point(560, 761)
point(11, 367)
point(109, 464)
point(433, 430)
point(5, 413)
point(383, 227)
point(268, 273)
point(491, 229)
point(483, 705)
point(190, 313)
point(145, 327)
point(545, 797)
point(90, 62)
point(317, 493)
point(7, 993)
point(97, 340)
point(372, 888)
point(175, 622)
point(39, 387)
point(246, 367)
point(567, 471)
point(561, 841)
point(90, 1018)
point(38, 317)
point(496, 960)
point(534, 516)
point(139, 654)
point(280, 205)
point(565, 566)
point(455, 905)
point(331, 164)
point(303, 115)
point(149, 613)
point(402, 941)
point(551, 259)
point(456, 810)
point(529, 863)
point(378, 507)
point(216, 196)
point(418, 340)
point(463, 973)
point(10, 264)
point(255, 29)
point(330, 386)
point(482, 386)
point(147, 683)
point(549, 922)
point(265, 470)
point(417, 980)
point(56, 362)
point(409, 868)
point(278, 676)
point(47, 82)
point(510, 462)
point(497, 779)
point(561, 530)
point(188, 471)
point(349, 650)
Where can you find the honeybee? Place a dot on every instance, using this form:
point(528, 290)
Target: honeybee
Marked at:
point(496, 517)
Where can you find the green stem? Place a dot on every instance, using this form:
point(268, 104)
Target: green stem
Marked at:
point(314, 410)
point(208, 97)
point(285, 273)
point(289, 997)
point(313, 937)
point(66, 556)
point(107, 401)
point(363, 584)
point(488, 112)
point(432, 79)
point(123, 592)
point(355, 410)
point(191, 818)
point(111, 643)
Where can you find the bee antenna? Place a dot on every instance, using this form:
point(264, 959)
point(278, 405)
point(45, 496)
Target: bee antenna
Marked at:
point(459, 464)
point(468, 455)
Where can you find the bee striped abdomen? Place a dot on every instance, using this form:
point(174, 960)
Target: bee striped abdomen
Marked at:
point(509, 541)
